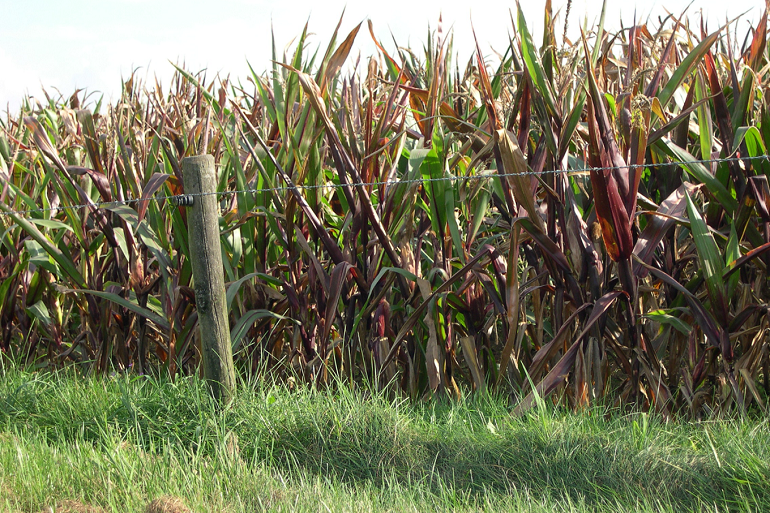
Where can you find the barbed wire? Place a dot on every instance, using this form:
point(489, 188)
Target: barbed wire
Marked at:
point(282, 188)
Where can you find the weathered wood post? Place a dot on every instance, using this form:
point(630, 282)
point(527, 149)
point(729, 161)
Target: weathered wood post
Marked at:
point(208, 274)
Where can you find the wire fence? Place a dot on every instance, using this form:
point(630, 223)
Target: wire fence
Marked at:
point(180, 200)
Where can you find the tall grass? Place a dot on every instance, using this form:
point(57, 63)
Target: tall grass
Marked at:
point(120, 442)
point(431, 229)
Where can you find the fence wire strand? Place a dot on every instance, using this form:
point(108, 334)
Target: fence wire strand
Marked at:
point(283, 188)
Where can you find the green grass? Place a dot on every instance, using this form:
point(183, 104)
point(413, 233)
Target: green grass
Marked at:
point(119, 442)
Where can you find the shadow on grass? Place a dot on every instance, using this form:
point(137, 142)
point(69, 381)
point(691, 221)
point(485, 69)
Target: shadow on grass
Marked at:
point(583, 469)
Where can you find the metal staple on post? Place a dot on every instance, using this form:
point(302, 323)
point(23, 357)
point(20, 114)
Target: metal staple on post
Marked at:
point(183, 200)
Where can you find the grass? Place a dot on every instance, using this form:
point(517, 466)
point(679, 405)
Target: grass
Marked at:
point(117, 443)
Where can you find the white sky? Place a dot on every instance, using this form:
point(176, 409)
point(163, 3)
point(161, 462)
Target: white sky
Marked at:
point(91, 44)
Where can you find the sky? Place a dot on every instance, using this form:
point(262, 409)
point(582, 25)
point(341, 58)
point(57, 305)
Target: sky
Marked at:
point(62, 45)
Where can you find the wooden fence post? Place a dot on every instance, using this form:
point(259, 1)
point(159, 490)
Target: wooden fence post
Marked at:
point(208, 274)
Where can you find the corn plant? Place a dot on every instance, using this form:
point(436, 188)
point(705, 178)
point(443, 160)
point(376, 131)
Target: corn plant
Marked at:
point(585, 222)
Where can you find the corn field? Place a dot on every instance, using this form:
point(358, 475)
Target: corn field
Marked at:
point(585, 222)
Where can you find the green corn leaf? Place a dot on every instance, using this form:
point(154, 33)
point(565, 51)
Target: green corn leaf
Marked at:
point(264, 95)
point(52, 224)
point(40, 257)
point(234, 287)
point(705, 123)
point(572, 122)
point(64, 263)
point(752, 138)
point(479, 211)
point(6, 285)
point(534, 66)
point(247, 320)
point(732, 254)
point(665, 317)
point(454, 230)
point(40, 312)
point(712, 263)
point(131, 305)
point(432, 170)
point(188, 76)
point(599, 34)
point(142, 229)
point(684, 69)
point(699, 172)
point(741, 105)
